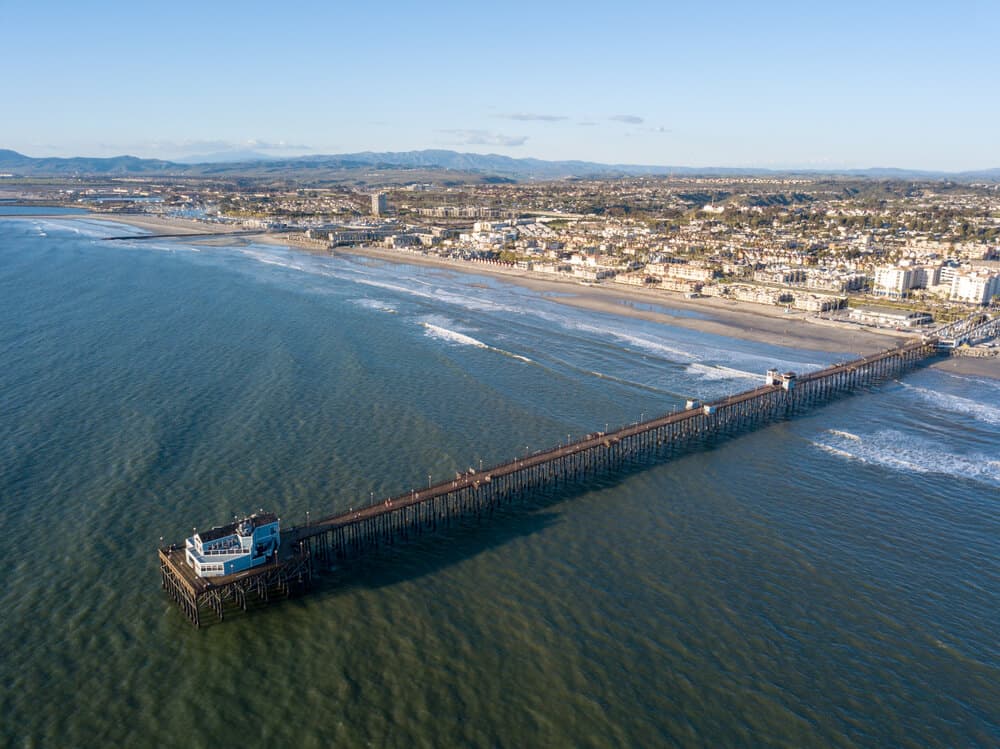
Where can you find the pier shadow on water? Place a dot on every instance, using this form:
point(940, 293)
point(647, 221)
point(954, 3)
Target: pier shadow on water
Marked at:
point(421, 554)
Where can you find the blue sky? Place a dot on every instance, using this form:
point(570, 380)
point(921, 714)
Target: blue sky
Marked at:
point(779, 84)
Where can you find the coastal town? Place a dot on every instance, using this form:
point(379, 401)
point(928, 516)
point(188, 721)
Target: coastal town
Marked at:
point(889, 254)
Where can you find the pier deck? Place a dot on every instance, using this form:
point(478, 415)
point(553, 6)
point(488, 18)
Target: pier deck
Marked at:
point(291, 567)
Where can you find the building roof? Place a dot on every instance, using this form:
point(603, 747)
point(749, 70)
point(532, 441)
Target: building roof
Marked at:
point(257, 519)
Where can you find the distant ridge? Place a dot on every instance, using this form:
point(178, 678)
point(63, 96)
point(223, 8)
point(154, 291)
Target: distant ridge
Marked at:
point(336, 166)
point(14, 161)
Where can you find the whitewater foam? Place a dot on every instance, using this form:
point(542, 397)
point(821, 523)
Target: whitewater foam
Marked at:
point(95, 229)
point(720, 372)
point(894, 450)
point(375, 304)
point(452, 336)
point(845, 435)
point(436, 331)
point(268, 259)
point(641, 342)
point(957, 404)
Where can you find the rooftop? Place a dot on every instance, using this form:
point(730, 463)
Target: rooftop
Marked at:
point(257, 519)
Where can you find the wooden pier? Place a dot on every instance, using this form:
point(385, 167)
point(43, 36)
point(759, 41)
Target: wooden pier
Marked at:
point(473, 493)
point(290, 570)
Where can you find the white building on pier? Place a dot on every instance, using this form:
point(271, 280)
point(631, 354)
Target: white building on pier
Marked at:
point(233, 548)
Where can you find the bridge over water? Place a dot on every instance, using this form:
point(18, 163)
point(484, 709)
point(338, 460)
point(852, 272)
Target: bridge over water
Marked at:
point(363, 530)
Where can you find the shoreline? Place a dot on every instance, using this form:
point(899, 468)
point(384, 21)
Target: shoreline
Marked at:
point(733, 319)
point(706, 315)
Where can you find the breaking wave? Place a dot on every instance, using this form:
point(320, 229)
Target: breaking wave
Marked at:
point(719, 372)
point(894, 450)
point(641, 342)
point(375, 304)
point(451, 336)
point(845, 435)
point(957, 404)
point(436, 331)
point(269, 259)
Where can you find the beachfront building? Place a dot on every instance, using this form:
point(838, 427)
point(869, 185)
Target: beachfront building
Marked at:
point(888, 317)
point(746, 292)
point(818, 302)
point(451, 211)
point(380, 205)
point(234, 548)
point(781, 274)
point(690, 272)
point(894, 282)
point(833, 280)
point(355, 236)
point(977, 286)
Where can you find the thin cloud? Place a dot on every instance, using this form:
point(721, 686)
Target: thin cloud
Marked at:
point(532, 117)
point(483, 138)
point(629, 119)
point(187, 146)
point(218, 146)
point(274, 146)
point(587, 123)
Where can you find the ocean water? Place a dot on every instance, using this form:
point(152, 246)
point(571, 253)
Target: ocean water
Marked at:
point(833, 580)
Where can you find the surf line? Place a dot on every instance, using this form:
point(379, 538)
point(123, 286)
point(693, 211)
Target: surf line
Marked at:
point(466, 340)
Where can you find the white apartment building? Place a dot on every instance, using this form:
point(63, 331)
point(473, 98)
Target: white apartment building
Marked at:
point(689, 273)
point(893, 282)
point(896, 281)
point(975, 286)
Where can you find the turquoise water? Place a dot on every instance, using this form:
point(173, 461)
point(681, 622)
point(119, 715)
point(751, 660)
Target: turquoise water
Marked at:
point(830, 581)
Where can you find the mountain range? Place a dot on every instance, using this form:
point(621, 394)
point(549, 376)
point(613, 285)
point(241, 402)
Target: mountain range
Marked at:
point(470, 166)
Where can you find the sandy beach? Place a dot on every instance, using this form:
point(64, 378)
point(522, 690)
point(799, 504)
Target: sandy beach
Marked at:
point(742, 320)
point(708, 314)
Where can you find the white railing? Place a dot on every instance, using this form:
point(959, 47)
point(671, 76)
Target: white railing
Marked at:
point(230, 551)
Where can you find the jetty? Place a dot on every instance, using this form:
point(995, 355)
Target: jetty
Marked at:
point(322, 542)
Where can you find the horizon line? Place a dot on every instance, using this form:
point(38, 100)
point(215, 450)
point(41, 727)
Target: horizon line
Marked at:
point(186, 160)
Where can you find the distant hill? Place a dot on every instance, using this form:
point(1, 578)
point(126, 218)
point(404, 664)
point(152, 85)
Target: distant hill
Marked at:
point(117, 165)
point(508, 166)
point(455, 165)
point(980, 175)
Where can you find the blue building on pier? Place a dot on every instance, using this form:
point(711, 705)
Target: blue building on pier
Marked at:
point(233, 548)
